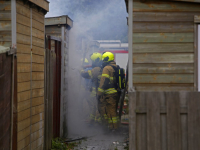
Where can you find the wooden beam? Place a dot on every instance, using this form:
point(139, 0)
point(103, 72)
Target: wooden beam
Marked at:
point(163, 68)
point(163, 48)
point(163, 78)
point(167, 27)
point(164, 58)
point(164, 16)
point(165, 7)
point(163, 37)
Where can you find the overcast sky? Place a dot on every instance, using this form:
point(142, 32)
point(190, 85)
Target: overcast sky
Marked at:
point(106, 20)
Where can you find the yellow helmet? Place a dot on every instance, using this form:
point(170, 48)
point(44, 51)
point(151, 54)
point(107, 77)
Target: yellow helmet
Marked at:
point(108, 56)
point(86, 61)
point(95, 57)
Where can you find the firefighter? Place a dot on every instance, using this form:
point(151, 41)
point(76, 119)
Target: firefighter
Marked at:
point(107, 91)
point(94, 74)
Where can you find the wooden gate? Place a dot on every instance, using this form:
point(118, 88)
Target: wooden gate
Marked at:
point(5, 100)
point(52, 89)
point(164, 120)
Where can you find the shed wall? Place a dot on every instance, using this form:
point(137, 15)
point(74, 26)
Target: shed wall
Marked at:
point(30, 72)
point(163, 46)
point(5, 23)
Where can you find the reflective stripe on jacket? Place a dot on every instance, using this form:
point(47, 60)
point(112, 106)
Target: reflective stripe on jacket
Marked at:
point(94, 74)
point(108, 81)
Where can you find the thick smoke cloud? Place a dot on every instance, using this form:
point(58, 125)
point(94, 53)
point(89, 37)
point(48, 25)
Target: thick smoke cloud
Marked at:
point(101, 19)
point(92, 20)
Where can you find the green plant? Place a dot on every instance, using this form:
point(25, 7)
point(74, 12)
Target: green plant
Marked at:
point(71, 145)
point(58, 144)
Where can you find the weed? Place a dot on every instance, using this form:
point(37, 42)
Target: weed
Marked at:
point(59, 144)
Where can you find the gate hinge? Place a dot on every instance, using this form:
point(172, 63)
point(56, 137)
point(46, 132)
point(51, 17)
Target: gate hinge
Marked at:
point(12, 51)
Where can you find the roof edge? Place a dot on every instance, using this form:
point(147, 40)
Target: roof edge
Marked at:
point(44, 4)
point(65, 20)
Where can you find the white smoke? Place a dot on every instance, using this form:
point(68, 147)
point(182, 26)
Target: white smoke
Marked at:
point(107, 20)
point(108, 17)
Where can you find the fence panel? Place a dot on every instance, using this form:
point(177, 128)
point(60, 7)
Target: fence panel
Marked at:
point(5, 100)
point(51, 90)
point(164, 120)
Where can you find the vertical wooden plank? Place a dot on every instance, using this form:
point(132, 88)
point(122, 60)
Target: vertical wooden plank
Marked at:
point(132, 120)
point(141, 123)
point(194, 121)
point(195, 57)
point(52, 66)
point(184, 97)
point(173, 121)
point(163, 122)
point(153, 121)
point(46, 87)
point(15, 115)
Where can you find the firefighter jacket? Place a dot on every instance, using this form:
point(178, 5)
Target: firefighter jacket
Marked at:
point(108, 81)
point(94, 74)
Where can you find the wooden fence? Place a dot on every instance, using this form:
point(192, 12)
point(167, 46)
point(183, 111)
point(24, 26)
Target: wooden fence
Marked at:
point(164, 120)
point(5, 100)
point(52, 89)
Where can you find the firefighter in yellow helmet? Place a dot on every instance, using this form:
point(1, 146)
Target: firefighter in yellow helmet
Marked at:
point(94, 74)
point(107, 91)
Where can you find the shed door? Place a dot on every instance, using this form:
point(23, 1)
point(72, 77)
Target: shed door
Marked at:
point(198, 57)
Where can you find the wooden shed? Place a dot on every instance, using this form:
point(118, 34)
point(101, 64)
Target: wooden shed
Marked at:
point(6, 97)
point(163, 44)
point(22, 29)
point(57, 30)
point(164, 38)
